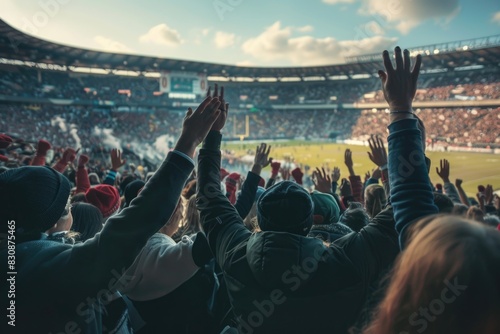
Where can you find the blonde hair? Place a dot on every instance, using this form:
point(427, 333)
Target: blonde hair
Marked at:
point(174, 221)
point(375, 199)
point(446, 281)
point(191, 222)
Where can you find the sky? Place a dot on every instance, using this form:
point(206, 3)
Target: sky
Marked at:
point(253, 32)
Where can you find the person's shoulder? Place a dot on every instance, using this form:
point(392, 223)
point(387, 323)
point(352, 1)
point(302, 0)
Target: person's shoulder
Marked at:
point(160, 239)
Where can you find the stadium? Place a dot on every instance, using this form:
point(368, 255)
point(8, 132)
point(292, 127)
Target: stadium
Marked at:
point(97, 100)
point(286, 216)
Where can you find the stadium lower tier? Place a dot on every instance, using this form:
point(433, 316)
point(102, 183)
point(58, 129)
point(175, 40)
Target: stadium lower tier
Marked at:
point(96, 128)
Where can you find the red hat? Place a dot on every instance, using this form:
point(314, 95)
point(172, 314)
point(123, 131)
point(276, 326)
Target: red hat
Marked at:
point(5, 141)
point(105, 197)
point(234, 177)
point(223, 173)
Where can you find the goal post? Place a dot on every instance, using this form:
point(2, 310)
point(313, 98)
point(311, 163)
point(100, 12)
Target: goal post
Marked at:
point(242, 136)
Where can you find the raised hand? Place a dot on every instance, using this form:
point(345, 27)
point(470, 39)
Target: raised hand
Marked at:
point(116, 159)
point(336, 174)
point(197, 124)
point(348, 161)
point(458, 183)
point(378, 154)
point(41, 153)
point(367, 176)
point(262, 155)
point(348, 158)
point(261, 159)
point(69, 155)
point(444, 170)
point(82, 160)
point(400, 84)
point(322, 181)
point(223, 108)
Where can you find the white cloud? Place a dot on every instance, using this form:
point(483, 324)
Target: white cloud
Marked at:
point(163, 35)
point(334, 2)
point(307, 28)
point(224, 39)
point(110, 45)
point(373, 28)
point(277, 43)
point(205, 31)
point(496, 17)
point(406, 15)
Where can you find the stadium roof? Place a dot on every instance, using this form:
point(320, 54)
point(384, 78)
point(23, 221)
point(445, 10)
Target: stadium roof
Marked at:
point(16, 45)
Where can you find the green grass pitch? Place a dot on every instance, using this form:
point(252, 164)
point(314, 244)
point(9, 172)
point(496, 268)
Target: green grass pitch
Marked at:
point(473, 168)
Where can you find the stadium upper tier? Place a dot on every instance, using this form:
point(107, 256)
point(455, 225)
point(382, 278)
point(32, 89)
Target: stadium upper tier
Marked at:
point(32, 85)
point(18, 46)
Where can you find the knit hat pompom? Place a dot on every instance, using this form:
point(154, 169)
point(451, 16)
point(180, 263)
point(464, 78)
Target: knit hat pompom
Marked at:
point(105, 197)
point(285, 207)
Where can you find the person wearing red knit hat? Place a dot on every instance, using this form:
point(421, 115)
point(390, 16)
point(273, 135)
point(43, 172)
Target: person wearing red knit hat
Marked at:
point(231, 185)
point(104, 197)
point(223, 173)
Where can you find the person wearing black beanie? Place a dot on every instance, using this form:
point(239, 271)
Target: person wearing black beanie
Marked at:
point(34, 197)
point(285, 207)
point(278, 277)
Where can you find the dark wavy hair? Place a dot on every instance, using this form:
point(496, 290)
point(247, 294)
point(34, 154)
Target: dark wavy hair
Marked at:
point(87, 220)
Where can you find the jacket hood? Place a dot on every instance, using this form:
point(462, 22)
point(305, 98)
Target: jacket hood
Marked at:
point(274, 256)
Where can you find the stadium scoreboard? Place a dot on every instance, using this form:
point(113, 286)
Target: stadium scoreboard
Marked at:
point(183, 83)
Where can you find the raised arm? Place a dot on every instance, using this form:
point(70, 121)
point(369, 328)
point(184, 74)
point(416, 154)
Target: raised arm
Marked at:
point(69, 156)
point(245, 200)
point(355, 180)
point(116, 163)
point(449, 188)
point(378, 156)
point(461, 192)
point(41, 153)
point(126, 233)
point(411, 193)
point(275, 169)
point(220, 220)
point(82, 175)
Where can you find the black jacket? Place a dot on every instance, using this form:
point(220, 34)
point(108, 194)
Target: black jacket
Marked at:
point(285, 283)
point(61, 287)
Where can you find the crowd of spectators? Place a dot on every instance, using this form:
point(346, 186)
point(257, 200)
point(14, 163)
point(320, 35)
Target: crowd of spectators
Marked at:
point(29, 82)
point(471, 86)
point(457, 126)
